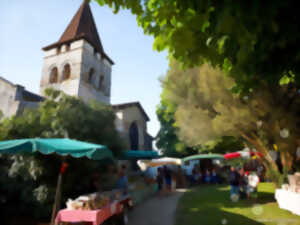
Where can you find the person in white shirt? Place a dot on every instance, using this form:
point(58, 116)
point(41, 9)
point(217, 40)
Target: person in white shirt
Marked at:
point(253, 181)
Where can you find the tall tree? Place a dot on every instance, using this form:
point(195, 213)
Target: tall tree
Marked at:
point(171, 145)
point(207, 110)
point(167, 139)
point(252, 40)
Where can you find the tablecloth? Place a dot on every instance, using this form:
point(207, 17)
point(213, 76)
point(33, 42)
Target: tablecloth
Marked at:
point(94, 216)
point(288, 200)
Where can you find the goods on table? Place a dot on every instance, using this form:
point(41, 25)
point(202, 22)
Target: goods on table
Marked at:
point(93, 201)
point(294, 183)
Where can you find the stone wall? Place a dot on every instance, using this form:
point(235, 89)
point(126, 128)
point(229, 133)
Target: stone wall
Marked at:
point(124, 118)
point(52, 59)
point(11, 99)
point(8, 104)
point(92, 61)
point(82, 58)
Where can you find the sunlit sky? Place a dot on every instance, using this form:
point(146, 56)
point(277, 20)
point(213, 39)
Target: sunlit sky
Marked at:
point(27, 26)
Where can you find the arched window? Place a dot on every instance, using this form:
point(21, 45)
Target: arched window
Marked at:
point(68, 47)
point(53, 76)
point(101, 83)
point(66, 72)
point(58, 50)
point(91, 76)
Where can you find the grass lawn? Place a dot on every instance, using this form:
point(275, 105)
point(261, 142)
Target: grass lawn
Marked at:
point(211, 205)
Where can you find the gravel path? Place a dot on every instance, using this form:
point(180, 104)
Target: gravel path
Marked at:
point(156, 211)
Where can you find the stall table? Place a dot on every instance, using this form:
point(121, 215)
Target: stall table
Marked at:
point(96, 217)
point(288, 200)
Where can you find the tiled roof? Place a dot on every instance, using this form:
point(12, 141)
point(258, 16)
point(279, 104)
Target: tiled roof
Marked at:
point(131, 104)
point(32, 97)
point(82, 26)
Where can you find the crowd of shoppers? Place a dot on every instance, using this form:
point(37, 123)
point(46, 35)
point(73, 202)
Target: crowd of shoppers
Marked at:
point(243, 184)
point(203, 177)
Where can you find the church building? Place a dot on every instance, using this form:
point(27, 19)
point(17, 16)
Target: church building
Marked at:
point(78, 65)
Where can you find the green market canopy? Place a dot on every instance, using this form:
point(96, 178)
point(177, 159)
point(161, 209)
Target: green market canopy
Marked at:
point(62, 147)
point(139, 154)
point(203, 156)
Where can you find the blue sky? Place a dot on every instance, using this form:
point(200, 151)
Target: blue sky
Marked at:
point(27, 26)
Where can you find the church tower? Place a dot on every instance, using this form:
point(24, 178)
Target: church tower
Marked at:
point(77, 63)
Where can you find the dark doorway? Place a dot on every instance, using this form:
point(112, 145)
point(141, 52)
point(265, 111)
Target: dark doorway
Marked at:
point(134, 142)
point(134, 136)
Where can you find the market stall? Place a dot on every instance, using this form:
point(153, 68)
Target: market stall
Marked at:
point(242, 154)
point(63, 147)
point(288, 197)
point(139, 154)
point(96, 208)
point(140, 186)
point(159, 162)
point(203, 156)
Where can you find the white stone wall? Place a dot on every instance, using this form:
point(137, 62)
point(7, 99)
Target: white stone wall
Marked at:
point(82, 59)
point(124, 118)
point(88, 91)
point(52, 59)
point(8, 105)
point(11, 99)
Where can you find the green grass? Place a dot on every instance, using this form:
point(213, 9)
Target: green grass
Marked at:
point(211, 205)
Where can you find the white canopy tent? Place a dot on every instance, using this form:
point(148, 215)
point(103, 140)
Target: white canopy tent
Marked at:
point(144, 164)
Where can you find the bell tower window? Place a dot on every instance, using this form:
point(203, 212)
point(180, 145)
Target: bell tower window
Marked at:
point(101, 82)
point(91, 76)
point(53, 76)
point(58, 50)
point(66, 72)
point(68, 47)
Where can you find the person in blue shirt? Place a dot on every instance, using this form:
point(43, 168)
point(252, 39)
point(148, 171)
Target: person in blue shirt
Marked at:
point(168, 178)
point(122, 182)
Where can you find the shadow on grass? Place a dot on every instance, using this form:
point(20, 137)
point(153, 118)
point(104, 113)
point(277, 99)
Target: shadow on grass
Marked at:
point(212, 216)
point(219, 195)
point(205, 205)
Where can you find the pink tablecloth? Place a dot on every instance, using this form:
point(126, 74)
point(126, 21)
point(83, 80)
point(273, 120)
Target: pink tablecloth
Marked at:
point(93, 216)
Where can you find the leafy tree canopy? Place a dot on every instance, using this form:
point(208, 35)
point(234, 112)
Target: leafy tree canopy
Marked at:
point(60, 116)
point(252, 40)
point(172, 146)
point(207, 110)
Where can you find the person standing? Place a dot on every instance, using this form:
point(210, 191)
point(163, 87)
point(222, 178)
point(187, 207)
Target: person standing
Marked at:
point(160, 181)
point(214, 177)
point(168, 179)
point(122, 182)
point(207, 177)
point(234, 182)
point(243, 183)
point(253, 181)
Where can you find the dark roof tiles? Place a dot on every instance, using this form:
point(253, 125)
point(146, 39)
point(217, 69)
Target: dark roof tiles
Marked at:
point(131, 104)
point(82, 26)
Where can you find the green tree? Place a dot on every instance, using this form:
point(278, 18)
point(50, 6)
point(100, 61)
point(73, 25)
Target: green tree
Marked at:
point(207, 110)
point(252, 40)
point(60, 116)
point(171, 145)
point(29, 181)
point(167, 140)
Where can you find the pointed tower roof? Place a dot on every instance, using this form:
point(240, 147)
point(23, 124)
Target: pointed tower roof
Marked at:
point(82, 26)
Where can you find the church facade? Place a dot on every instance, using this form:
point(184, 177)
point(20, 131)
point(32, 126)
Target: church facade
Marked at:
point(78, 65)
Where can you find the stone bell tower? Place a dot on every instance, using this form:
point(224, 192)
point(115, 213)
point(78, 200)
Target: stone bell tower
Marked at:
point(77, 63)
